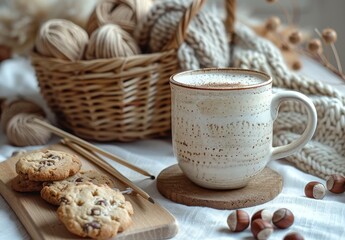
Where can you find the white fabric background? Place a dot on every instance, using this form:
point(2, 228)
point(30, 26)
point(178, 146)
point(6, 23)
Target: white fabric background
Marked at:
point(314, 219)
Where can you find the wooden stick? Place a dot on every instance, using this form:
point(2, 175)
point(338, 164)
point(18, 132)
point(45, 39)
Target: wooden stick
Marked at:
point(89, 146)
point(107, 167)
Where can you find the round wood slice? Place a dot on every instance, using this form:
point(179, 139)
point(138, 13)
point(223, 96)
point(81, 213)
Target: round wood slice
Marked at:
point(174, 185)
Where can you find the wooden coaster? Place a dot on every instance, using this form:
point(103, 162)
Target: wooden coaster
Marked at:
point(174, 185)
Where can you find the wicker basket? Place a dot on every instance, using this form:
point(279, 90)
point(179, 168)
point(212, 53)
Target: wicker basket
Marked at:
point(121, 99)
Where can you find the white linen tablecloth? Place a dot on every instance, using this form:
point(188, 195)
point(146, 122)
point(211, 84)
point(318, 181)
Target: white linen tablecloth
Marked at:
point(314, 219)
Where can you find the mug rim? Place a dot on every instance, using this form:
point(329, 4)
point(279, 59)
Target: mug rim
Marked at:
point(264, 76)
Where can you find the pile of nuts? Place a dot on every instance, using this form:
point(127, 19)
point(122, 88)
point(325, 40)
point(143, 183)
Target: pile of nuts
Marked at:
point(335, 183)
point(262, 223)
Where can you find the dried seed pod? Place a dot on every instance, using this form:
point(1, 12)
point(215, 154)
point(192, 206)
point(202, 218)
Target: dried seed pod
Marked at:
point(285, 47)
point(297, 65)
point(272, 23)
point(293, 236)
point(315, 46)
point(238, 221)
point(335, 183)
point(315, 190)
point(261, 229)
point(263, 214)
point(283, 218)
point(295, 37)
point(329, 35)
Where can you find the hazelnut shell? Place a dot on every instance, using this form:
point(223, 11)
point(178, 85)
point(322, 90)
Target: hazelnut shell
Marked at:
point(335, 183)
point(261, 229)
point(263, 214)
point(238, 221)
point(283, 218)
point(315, 190)
point(293, 236)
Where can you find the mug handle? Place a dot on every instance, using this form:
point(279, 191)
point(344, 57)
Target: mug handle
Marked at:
point(296, 145)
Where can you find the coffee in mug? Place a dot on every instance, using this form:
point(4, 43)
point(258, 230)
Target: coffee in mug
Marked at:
point(222, 125)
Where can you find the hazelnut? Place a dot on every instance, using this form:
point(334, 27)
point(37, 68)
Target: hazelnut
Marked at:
point(293, 236)
point(261, 229)
point(335, 183)
point(5, 52)
point(315, 190)
point(263, 214)
point(283, 218)
point(238, 221)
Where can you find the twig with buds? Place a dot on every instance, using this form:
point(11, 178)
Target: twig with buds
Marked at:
point(293, 41)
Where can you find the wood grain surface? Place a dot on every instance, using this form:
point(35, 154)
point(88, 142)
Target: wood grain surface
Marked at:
point(150, 221)
point(174, 185)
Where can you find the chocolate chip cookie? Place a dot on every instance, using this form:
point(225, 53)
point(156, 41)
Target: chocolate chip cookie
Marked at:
point(22, 184)
point(53, 191)
point(89, 210)
point(48, 165)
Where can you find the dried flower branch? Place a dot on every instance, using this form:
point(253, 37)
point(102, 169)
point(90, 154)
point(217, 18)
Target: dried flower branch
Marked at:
point(328, 37)
point(292, 42)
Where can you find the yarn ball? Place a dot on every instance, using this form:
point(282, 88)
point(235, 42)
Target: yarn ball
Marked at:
point(10, 109)
point(21, 131)
point(60, 38)
point(111, 41)
point(125, 13)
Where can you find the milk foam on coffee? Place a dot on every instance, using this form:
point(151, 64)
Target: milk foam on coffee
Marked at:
point(221, 79)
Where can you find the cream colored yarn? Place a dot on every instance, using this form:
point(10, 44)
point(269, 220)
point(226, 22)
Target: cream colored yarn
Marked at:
point(59, 38)
point(20, 20)
point(10, 109)
point(15, 122)
point(125, 13)
point(206, 41)
point(21, 131)
point(111, 41)
point(325, 154)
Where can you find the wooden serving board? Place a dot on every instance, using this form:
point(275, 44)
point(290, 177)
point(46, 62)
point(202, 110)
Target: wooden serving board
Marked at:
point(174, 185)
point(150, 221)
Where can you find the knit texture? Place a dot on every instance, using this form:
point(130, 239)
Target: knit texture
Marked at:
point(325, 154)
point(206, 45)
point(206, 41)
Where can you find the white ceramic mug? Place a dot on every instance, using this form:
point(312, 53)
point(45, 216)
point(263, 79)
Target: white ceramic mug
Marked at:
point(222, 125)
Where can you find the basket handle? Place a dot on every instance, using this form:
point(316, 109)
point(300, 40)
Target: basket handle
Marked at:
point(230, 6)
point(182, 27)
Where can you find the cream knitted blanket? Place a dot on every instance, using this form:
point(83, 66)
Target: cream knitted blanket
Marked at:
point(325, 154)
point(203, 47)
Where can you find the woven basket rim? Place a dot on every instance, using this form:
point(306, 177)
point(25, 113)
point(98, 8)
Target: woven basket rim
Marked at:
point(35, 55)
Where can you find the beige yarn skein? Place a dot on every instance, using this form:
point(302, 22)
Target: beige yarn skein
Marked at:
point(60, 38)
point(10, 109)
point(125, 13)
point(111, 41)
point(21, 131)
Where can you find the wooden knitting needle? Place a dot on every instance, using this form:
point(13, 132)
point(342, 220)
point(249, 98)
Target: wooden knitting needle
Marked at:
point(107, 167)
point(89, 146)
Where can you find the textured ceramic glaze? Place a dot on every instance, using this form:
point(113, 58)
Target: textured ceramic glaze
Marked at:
point(222, 123)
